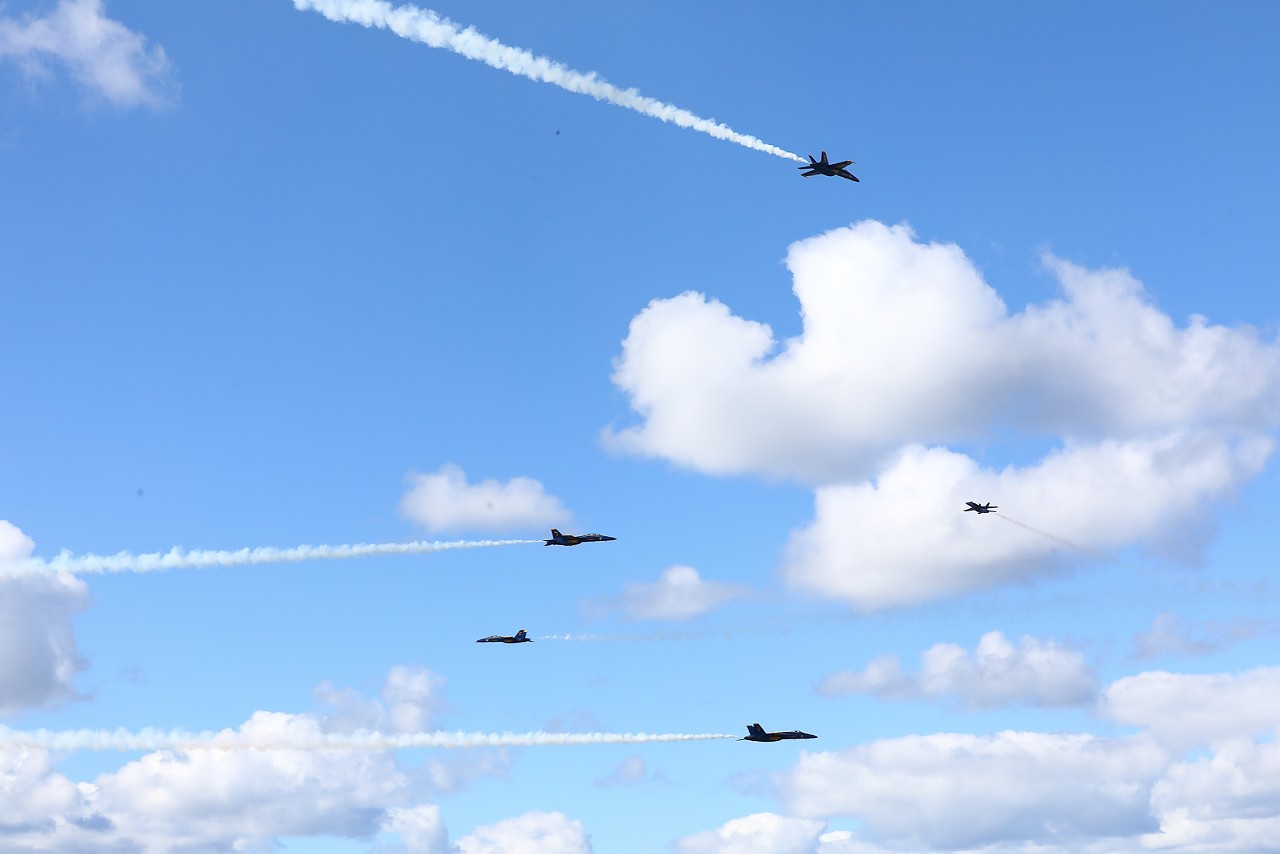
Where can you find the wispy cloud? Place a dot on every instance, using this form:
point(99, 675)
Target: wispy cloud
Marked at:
point(429, 28)
point(996, 673)
point(1172, 635)
point(101, 53)
point(680, 593)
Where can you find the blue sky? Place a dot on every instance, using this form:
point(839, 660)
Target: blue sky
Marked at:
point(271, 279)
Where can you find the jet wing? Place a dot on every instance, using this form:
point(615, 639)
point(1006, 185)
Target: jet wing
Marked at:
point(842, 164)
point(847, 175)
point(810, 173)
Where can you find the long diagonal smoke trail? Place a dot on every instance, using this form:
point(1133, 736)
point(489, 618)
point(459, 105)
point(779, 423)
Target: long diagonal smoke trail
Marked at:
point(429, 28)
point(154, 739)
point(177, 558)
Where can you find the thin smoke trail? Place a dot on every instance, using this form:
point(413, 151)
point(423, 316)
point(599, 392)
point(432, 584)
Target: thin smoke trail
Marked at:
point(429, 28)
point(783, 624)
point(154, 739)
point(177, 558)
point(1093, 553)
point(588, 637)
point(1060, 540)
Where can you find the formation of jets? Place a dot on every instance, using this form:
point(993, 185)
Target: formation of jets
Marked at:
point(559, 539)
point(519, 637)
point(980, 508)
point(825, 167)
point(755, 732)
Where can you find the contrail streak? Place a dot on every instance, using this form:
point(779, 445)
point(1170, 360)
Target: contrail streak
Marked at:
point(154, 739)
point(1060, 540)
point(1093, 553)
point(624, 636)
point(429, 28)
point(177, 558)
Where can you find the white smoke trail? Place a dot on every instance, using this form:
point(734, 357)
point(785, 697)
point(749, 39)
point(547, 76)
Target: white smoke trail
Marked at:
point(428, 27)
point(177, 558)
point(154, 739)
point(632, 636)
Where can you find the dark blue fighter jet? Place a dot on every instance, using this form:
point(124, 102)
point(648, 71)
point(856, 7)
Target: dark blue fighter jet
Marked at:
point(559, 539)
point(980, 508)
point(520, 637)
point(755, 732)
point(825, 167)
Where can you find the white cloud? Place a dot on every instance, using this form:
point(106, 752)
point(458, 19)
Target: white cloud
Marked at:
point(39, 658)
point(953, 791)
point(1071, 792)
point(210, 800)
point(101, 53)
point(445, 502)
point(1229, 801)
point(531, 833)
point(1035, 673)
point(680, 593)
point(1185, 710)
point(420, 829)
point(904, 343)
point(759, 833)
point(407, 703)
point(237, 800)
point(904, 349)
point(904, 538)
point(1172, 635)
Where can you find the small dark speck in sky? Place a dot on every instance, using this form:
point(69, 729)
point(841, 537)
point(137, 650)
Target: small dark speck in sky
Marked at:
point(139, 492)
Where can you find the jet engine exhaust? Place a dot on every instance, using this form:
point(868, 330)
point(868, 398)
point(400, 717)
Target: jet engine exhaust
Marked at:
point(430, 28)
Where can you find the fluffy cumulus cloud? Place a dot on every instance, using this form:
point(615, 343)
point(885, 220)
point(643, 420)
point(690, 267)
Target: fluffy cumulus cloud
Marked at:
point(904, 350)
point(445, 502)
point(407, 703)
point(1200, 775)
point(39, 658)
point(1229, 801)
point(1185, 710)
point(243, 800)
point(903, 539)
point(760, 833)
point(954, 791)
point(531, 833)
point(211, 800)
point(102, 54)
point(996, 673)
point(903, 342)
point(680, 593)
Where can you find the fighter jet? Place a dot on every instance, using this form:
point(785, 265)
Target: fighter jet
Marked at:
point(831, 170)
point(521, 637)
point(755, 732)
point(559, 539)
point(980, 508)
